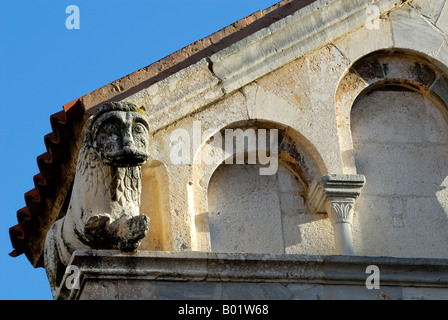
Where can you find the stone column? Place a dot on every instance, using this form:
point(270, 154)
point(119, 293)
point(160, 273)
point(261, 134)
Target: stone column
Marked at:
point(336, 194)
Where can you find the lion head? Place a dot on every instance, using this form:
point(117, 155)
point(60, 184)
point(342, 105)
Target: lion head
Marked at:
point(119, 132)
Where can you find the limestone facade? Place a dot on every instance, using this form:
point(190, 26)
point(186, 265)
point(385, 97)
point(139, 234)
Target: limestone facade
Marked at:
point(346, 99)
point(340, 109)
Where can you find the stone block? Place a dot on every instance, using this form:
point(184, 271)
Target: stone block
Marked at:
point(400, 115)
point(186, 291)
point(255, 291)
point(440, 88)
point(100, 290)
point(178, 95)
point(335, 292)
point(287, 182)
point(371, 39)
point(292, 204)
point(442, 21)
point(411, 31)
point(424, 294)
point(307, 234)
point(244, 216)
point(136, 290)
point(426, 216)
point(429, 9)
point(305, 291)
point(385, 239)
point(404, 224)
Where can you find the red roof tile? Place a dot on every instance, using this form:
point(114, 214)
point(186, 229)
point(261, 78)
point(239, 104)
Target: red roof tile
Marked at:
point(45, 182)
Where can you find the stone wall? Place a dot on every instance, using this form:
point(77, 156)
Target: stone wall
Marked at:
point(263, 214)
point(365, 101)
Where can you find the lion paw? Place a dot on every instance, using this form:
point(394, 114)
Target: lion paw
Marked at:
point(132, 232)
point(96, 228)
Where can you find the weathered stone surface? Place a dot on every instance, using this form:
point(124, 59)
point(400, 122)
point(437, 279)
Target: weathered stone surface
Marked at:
point(179, 95)
point(301, 95)
point(405, 195)
point(310, 28)
point(101, 290)
point(429, 9)
point(412, 31)
point(440, 88)
point(255, 291)
point(106, 275)
point(103, 212)
point(372, 40)
point(244, 216)
point(192, 291)
point(424, 294)
point(442, 21)
point(136, 290)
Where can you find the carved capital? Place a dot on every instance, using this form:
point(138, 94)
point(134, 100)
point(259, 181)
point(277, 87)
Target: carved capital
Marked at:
point(340, 189)
point(340, 210)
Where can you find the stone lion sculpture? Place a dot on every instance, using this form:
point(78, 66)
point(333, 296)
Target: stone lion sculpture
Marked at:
point(103, 212)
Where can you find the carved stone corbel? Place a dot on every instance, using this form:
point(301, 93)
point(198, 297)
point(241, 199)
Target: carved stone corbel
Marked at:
point(104, 207)
point(336, 195)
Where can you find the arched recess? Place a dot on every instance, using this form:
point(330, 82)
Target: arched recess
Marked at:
point(399, 68)
point(393, 127)
point(297, 160)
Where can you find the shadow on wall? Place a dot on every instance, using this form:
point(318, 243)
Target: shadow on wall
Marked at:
point(262, 214)
point(400, 141)
point(155, 204)
point(249, 212)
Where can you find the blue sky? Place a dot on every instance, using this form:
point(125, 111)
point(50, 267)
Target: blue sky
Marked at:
point(44, 65)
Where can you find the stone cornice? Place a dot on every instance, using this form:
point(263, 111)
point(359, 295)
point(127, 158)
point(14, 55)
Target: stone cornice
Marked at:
point(252, 268)
point(290, 38)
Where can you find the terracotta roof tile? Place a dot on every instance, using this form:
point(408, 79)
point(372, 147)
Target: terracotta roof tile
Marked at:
point(45, 182)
